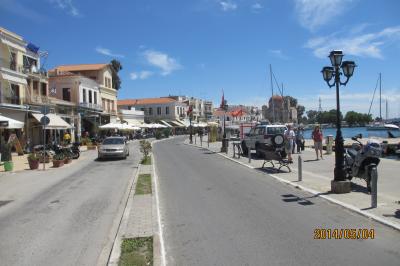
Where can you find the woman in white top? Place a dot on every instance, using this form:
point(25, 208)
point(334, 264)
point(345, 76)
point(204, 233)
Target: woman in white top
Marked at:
point(289, 136)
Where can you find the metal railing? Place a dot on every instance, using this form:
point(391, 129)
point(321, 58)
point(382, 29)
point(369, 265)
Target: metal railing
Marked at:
point(91, 106)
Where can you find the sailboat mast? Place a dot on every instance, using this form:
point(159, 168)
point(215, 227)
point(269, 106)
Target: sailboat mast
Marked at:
point(380, 96)
point(272, 97)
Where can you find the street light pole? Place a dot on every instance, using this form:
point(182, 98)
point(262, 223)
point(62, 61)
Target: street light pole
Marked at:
point(339, 184)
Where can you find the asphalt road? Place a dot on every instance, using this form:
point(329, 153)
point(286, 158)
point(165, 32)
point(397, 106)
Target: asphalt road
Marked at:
point(62, 216)
point(217, 212)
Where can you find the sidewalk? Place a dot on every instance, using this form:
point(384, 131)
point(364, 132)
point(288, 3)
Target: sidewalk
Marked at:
point(317, 176)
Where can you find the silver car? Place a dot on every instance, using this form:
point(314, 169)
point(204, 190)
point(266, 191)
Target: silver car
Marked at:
point(113, 147)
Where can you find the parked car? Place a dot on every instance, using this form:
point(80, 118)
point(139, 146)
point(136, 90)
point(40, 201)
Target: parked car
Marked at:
point(261, 137)
point(113, 147)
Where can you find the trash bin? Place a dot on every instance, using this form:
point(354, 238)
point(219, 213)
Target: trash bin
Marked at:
point(329, 144)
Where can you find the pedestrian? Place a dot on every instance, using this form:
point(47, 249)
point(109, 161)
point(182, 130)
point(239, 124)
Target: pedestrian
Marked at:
point(299, 139)
point(67, 138)
point(294, 140)
point(289, 140)
point(317, 137)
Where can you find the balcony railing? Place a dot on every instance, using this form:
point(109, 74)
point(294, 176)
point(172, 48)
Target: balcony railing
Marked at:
point(91, 106)
point(12, 100)
point(40, 99)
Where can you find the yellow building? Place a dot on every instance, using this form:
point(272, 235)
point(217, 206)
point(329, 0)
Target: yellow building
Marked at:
point(102, 75)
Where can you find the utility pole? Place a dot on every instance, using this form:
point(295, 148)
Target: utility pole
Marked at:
point(272, 97)
point(380, 96)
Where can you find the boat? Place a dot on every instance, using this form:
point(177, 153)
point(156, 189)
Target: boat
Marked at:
point(380, 125)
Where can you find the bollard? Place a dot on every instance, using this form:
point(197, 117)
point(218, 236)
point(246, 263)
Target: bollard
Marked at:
point(201, 141)
point(300, 169)
point(249, 154)
point(195, 138)
point(374, 187)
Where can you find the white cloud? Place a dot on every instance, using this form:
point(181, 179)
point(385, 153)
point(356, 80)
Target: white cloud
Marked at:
point(256, 7)
point(278, 54)
point(314, 13)
point(105, 51)
point(364, 45)
point(141, 75)
point(227, 5)
point(162, 60)
point(67, 6)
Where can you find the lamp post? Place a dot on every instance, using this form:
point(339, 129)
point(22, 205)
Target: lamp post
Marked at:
point(339, 184)
point(224, 147)
point(190, 113)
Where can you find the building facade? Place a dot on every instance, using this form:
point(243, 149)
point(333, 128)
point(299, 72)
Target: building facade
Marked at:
point(280, 111)
point(156, 109)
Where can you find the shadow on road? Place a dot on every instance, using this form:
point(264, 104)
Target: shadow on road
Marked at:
point(294, 198)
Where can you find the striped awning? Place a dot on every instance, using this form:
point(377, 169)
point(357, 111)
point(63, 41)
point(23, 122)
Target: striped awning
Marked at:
point(165, 123)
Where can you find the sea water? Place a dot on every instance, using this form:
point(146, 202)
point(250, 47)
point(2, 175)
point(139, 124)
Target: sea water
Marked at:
point(349, 132)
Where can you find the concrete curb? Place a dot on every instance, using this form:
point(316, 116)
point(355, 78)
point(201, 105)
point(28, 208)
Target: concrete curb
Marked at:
point(116, 249)
point(158, 237)
point(109, 251)
point(315, 193)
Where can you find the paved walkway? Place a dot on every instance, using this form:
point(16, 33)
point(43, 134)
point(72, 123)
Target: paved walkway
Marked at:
point(317, 176)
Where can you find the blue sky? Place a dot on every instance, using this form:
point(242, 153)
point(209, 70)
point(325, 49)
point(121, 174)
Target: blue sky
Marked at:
point(200, 47)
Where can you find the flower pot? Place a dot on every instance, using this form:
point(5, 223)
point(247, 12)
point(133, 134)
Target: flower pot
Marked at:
point(58, 163)
point(33, 164)
point(8, 166)
point(67, 160)
point(46, 159)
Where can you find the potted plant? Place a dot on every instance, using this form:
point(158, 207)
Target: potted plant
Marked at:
point(33, 161)
point(67, 158)
point(43, 158)
point(6, 157)
point(58, 160)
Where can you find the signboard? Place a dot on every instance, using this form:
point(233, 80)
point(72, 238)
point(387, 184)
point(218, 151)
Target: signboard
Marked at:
point(45, 120)
point(3, 123)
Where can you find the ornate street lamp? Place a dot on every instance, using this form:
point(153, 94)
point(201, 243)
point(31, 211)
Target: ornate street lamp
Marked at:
point(339, 184)
point(224, 106)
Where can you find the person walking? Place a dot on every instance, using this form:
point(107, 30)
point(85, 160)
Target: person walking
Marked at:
point(317, 137)
point(289, 140)
point(294, 141)
point(299, 139)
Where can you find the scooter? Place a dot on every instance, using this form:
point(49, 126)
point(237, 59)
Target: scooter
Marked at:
point(75, 150)
point(360, 160)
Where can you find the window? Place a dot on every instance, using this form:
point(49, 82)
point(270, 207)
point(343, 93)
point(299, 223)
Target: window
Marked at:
point(275, 130)
point(142, 109)
point(158, 110)
point(104, 103)
point(112, 106)
point(150, 111)
point(259, 131)
point(95, 97)
point(43, 89)
point(105, 82)
point(15, 94)
point(90, 97)
point(13, 61)
point(167, 110)
point(67, 94)
point(84, 95)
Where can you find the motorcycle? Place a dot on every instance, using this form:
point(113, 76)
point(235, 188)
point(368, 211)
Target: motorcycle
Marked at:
point(75, 150)
point(360, 160)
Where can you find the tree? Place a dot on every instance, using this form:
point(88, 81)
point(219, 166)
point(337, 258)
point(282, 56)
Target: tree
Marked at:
point(312, 116)
point(300, 111)
point(354, 118)
point(116, 67)
point(293, 101)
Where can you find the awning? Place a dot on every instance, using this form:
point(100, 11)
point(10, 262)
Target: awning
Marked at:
point(180, 123)
point(13, 78)
point(176, 123)
point(132, 122)
point(165, 123)
point(56, 122)
point(11, 123)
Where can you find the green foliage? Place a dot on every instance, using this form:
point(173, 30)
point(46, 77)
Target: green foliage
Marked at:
point(33, 157)
point(327, 117)
point(145, 147)
point(58, 157)
point(137, 251)
point(116, 67)
point(146, 160)
point(158, 134)
point(354, 118)
point(143, 185)
point(167, 132)
point(300, 111)
point(6, 152)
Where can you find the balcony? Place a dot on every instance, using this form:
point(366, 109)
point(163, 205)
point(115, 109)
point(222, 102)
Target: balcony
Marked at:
point(39, 99)
point(15, 100)
point(91, 106)
point(11, 66)
point(35, 73)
